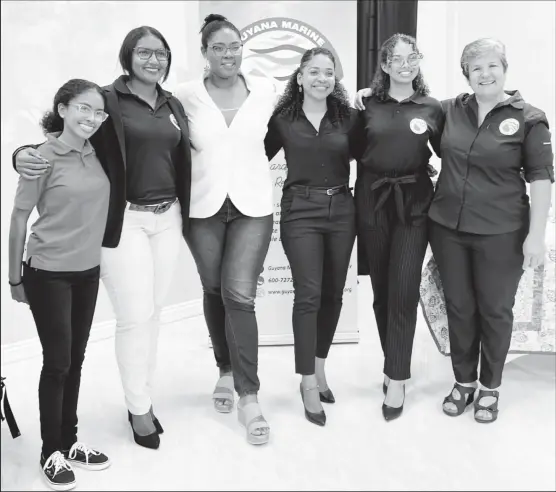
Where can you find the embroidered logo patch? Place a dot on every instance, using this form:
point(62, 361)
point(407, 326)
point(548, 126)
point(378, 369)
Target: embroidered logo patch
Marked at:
point(174, 122)
point(418, 126)
point(509, 126)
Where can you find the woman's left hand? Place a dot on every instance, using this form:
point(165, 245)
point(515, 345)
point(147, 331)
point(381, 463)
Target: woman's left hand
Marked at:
point(533, 251)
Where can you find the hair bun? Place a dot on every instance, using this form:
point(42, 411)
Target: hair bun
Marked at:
point(211, 18)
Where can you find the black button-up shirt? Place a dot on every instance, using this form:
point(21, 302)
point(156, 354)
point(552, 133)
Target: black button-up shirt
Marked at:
point(481, 187)
point(152, 137)
point(314, 158)
point(396, 154)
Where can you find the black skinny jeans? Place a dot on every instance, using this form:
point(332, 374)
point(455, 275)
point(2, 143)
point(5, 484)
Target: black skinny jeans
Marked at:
point(229, 249)
point(318, 232)
point(63, 305)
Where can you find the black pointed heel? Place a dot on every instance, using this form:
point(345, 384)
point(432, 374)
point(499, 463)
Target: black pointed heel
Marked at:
point(315, 418)
point(327, 396)
point(392, 413)
point(157, 425)
point(150, 441)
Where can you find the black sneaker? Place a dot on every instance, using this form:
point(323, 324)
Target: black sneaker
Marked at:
point(57, 472)
point(81, 455)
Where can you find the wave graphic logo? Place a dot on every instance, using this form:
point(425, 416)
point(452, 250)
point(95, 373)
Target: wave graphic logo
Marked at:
point(273, 47)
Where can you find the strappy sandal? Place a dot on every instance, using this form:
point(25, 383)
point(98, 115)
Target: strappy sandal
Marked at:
point(467, 396)
point(223, 394)
point(492, 409)
point(251, 418)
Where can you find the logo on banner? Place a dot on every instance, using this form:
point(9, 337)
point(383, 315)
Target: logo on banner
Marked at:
point(273, 47)
point(509, 126)
point(418, 126)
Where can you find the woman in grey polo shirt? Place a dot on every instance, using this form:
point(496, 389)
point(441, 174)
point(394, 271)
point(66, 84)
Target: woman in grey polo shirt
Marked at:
point(61, 274)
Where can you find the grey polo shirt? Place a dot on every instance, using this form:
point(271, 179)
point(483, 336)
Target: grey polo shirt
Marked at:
point(72, 202)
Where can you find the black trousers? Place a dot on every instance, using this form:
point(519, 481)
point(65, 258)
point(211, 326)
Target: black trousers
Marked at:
point(480, 275)
point(318, 233)
point(229, 249)
point(63, 305)
point(395, 254)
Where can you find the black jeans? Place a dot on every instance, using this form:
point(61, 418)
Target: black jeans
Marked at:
point(318, 232)
point(63, 305)
point(480, 275)
point(229, 249)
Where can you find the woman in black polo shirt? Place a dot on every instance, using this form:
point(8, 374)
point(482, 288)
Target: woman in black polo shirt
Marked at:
point(483, 232)
point(144, 148)
point(318, 131)
point(393, 193)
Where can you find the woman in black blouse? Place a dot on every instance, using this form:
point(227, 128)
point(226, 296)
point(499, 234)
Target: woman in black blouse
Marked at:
point(318, 130)
point(144, 148)
point(393, 194)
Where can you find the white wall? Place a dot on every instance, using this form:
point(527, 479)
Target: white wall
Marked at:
point(527, 28)
point(44, 44)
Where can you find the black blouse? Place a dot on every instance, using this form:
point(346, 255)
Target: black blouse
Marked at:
point(315, 158)
point(481, 187)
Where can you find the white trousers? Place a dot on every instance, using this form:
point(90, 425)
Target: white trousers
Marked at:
point(137, 276)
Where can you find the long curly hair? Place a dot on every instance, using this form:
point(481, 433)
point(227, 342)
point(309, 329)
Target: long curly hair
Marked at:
point(291, 101)
point(381, 80)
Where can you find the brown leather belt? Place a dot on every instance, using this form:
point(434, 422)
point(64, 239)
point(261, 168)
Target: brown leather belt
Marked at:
point(157, 208)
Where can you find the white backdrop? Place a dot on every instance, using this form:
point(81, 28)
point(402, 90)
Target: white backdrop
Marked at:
point(275, 34)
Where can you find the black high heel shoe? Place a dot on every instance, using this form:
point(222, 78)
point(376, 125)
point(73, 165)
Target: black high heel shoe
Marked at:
point(327, 396)
point(392, 413)
point(151, 441)
point(315, 418)
point(157, 425)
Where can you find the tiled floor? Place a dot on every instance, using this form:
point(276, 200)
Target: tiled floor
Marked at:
point(356, 450)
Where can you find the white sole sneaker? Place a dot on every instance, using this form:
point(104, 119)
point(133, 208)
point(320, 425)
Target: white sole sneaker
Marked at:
point(57, 486)
point(90, 466)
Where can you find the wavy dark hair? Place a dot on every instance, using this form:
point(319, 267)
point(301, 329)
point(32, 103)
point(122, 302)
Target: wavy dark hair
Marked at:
point(52, 121)
point(291, 101)
point(381, 81)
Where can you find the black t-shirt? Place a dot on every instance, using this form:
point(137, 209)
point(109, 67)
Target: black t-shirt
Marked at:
point(315, 158)
point(481, 187)
point(152, 137)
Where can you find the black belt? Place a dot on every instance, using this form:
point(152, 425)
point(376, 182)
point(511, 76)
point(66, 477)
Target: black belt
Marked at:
point(157, 208)
point(14, 430)
point(321, 190)
point(389, 183)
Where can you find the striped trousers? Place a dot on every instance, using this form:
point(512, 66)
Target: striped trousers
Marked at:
point(395, 252)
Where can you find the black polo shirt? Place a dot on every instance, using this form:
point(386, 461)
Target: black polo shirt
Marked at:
point(152, 137)
point(314, 158)
point(481, 187)
point(392, 172)
point(397, 134)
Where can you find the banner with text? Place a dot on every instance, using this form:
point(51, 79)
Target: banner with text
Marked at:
point(275, 35)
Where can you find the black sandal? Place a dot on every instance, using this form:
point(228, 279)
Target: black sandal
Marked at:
point(491, 409)
point(467, 394)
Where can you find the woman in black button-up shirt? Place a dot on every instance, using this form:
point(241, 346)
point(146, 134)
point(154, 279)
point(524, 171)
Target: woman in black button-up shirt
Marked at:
point(393, 193)
point(483, 231)
point(318, 131)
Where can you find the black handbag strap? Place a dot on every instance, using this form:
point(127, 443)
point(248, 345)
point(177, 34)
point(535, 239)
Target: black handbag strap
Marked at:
point(5, 408)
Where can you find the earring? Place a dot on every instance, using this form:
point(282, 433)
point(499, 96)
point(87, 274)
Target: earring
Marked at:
point(207, 66)
point(300, 89)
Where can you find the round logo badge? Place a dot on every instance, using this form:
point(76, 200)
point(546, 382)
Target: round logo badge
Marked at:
point(418, 126)
point(174, 122)
point(509, 126)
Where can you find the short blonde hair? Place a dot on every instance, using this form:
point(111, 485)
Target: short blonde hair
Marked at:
point(478, 48)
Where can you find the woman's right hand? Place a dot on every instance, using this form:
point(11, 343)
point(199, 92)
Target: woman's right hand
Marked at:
point(358, 103)
point(18, 293)
point(30, 163)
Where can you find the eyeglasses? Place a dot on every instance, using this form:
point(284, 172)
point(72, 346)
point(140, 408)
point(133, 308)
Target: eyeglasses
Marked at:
point(220, 49)
point(412, 60)
point(87, 111)
point(146, 53)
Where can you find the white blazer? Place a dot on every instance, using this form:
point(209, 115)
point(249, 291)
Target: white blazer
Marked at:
point(229, 160)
